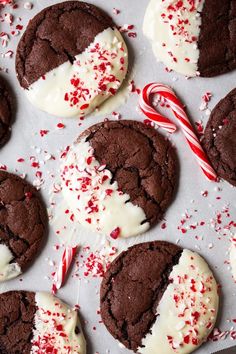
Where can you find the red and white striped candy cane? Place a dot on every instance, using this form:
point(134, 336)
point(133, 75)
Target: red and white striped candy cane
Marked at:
point(176, 106)
point(60, 275)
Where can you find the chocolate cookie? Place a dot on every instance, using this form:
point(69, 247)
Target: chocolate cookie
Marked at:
point(5, 112)
point(38, 323)
point(193, 38)
point(219, 138)
point(119, 177)
point(71, 58)
point(158, 298)
point(23, 224)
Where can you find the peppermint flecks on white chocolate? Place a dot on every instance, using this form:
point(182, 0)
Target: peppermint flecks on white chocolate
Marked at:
point(78, 88)
point(8, 270)
point(187, 311)
point(57, 328)
point(173, 27)
point(95, 201)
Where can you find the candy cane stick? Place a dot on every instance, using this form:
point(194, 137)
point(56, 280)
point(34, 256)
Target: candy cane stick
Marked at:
point(176, 106)
point(64, 266)
point(150, 112)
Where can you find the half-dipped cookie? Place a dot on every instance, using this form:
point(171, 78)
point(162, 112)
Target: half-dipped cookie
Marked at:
point(219, 138)
point(119, 177)
point(70, 59)
point(6, 103)
point(193, 37)
point(23, 225)
point(33, 323)
point(158, 298)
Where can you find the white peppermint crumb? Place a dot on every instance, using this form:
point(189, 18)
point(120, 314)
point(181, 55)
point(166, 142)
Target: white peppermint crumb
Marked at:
point(28, 5)
point(208, 112)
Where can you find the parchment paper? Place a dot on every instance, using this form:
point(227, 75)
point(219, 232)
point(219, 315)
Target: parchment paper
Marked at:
point(26, 141)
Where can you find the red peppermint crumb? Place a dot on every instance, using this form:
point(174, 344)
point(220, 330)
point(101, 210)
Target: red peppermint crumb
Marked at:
point(20, 159)
point(163, 226)
point(132, 34)
point(38, 174)
point(35, 164)
point(28, 195)
point(89, 160)
point(225, 121)
point(187, 339)
point(109, 192)
point(19, 27)
point(84, 106)
point(115, 233)
point(43, 132)
point(60, 126)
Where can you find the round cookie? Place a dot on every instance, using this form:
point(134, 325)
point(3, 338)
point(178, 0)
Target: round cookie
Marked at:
point(23, 224)
point(193, 37)
point(219, 138)
point(5, 112)
point(119, 177)
point(70, 59)
point(158, 298)
point(33, 323)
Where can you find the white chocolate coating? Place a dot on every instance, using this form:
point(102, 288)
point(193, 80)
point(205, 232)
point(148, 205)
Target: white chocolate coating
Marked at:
point(173, 27)
point(55, 325)
point(7, 270)
point(233, 258)
point(77, 89)
point(187, 311)
point(95, 202)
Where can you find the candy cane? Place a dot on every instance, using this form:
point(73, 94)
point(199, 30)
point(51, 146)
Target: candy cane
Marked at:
point(176, 106)
point(64, 266)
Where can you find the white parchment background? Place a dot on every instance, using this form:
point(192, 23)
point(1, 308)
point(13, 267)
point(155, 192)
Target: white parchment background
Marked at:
point(26, 137)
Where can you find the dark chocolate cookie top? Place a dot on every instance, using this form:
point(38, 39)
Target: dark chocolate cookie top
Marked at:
point(217, 41)
point(55, 35)
point(220, 135)
point(17, 311)
point(141, 161)
point(23, 224)
point(133, 287)
point(5, 112)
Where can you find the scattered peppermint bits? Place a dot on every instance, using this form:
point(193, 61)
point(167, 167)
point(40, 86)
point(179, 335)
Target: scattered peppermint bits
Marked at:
point(115, 11)
point(205, 101)
point(129, 29)
point(95, 263)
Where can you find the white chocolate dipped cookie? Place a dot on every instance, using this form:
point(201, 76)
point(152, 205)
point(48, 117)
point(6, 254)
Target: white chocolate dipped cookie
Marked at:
point(166, 296)
point(44, 325)
point(71, 59)
point(118, 178)
point(192, 37)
